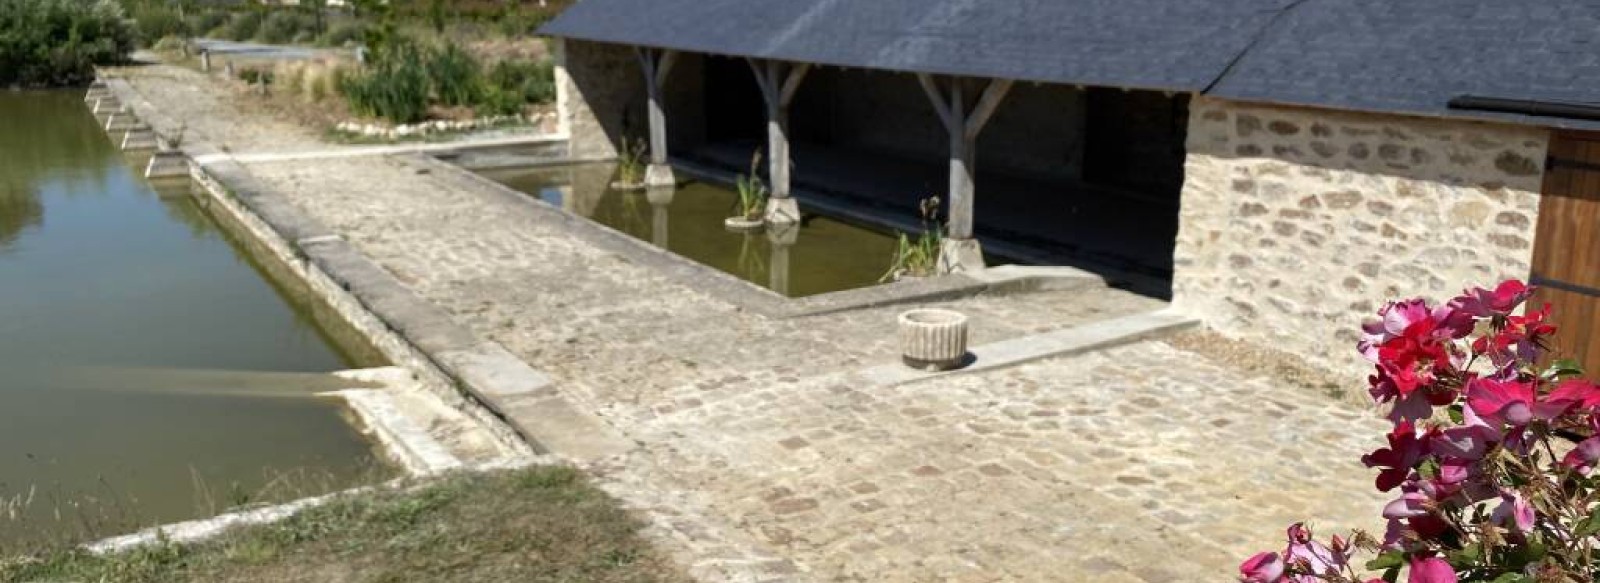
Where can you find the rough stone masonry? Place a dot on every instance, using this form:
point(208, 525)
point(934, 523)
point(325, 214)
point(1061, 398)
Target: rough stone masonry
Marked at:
point(1296, 223)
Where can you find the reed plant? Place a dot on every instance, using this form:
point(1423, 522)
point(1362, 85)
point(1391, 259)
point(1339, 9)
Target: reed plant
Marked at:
point(394, 86)
point(919, 256)
point(454, 75)
point(752, 191)
point(630, 163)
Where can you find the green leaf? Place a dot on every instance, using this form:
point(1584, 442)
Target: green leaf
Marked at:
point(1389, 560)
point(1511, 578)
point(1587, 526)
point(1526, 554)
point(1466, 557)
point(1565, 367)
point(1392, 575)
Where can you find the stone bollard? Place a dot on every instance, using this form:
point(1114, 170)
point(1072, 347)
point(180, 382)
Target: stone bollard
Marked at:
point(933, 339)
point(227, 69)
point(205, 61)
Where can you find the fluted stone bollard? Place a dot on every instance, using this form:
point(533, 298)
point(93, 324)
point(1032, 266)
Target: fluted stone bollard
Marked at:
point(933, 339)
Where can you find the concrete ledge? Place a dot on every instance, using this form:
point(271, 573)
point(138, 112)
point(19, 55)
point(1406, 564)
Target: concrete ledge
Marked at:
point(496, 372)
point(1066, 342)
point(409, 444)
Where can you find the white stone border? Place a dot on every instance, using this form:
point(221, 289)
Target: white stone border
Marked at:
point(436, 127)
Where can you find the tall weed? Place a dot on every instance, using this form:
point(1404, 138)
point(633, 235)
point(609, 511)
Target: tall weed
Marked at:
point(393, 87)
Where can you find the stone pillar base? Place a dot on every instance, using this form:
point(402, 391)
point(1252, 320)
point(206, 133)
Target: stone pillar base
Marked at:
point(657, 175)
point(783, 210)
point(957, 255)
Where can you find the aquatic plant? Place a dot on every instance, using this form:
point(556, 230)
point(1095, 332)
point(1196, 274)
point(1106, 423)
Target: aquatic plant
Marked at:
point(630, 163)
point(1490, 484)
point(752, 191)
point(919, 257)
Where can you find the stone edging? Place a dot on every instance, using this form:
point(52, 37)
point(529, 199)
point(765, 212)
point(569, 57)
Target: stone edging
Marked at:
point(744, 294)
point(433, 128)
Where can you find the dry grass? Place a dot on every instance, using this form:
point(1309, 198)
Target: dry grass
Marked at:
point(531, 525)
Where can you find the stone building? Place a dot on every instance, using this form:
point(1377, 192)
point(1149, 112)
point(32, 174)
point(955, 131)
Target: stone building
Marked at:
point(1276, 167)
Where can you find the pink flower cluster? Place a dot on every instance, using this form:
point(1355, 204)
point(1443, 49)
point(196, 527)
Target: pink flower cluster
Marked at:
point(1489, 484)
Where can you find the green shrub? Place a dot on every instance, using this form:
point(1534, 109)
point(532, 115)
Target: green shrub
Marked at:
point(342, 34)
point(497, 101)
point(282, 26)
point(169, 44)
point(207, 21)
point(521, 22)
point(393, 87)
point(244, 25)
point(58, 42)
point(454, 75)
point(533, 82)
point(156, 21)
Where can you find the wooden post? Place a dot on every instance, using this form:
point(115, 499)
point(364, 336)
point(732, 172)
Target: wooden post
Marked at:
point(960, 250)
point(656, 64)
point(779, 82)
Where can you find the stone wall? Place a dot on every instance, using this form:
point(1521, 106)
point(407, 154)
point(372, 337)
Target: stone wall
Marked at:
point(600, 97)
point(1296, 224)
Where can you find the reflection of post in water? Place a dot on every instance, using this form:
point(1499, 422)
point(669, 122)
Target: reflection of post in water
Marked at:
point(781, 236)
point(660, 198)
point(750, 263)
point(588, 185)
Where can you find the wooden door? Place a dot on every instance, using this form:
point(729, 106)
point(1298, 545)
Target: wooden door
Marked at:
point(1566, 254)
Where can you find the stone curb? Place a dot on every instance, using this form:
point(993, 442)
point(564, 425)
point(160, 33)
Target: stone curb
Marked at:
point(1064, 342)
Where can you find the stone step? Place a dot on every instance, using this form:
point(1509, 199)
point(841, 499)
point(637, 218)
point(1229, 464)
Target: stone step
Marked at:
point(1065, 342)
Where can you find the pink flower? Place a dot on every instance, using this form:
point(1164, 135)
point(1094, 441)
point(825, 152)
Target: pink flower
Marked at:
point(1511, 402)
point(1264, 567)
point(1468, 441)
point(1313, 557)
point(1405, 449)
point(1500, 302)
point(1431, 570)
point(1583, 457)
point(1408, 505)
point(1513, 510)
point(1578, 392)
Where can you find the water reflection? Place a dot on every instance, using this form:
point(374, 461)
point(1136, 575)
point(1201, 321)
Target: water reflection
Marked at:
point(19, 210)
point(818, 256)
point(110, 289)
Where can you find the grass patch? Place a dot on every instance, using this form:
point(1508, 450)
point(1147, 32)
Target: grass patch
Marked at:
point(535, 524)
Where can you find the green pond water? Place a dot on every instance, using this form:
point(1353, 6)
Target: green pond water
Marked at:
point(824, 255)
point(149, 371)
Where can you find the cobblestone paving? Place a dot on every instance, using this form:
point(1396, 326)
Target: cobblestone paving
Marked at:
point(1070, 469)
point(763, 458)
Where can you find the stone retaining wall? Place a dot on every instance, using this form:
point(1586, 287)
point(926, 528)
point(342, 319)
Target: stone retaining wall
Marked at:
point(1296, 224)
point(600, 97)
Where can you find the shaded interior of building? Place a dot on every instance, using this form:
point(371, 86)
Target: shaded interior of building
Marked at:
point(1086, 177)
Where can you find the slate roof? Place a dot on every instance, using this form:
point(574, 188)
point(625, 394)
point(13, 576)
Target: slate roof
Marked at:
point(1412, 56)
point(1404, 56)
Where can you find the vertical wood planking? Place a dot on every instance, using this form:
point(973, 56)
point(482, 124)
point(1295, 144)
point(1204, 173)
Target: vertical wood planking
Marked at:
point(1567, 248)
